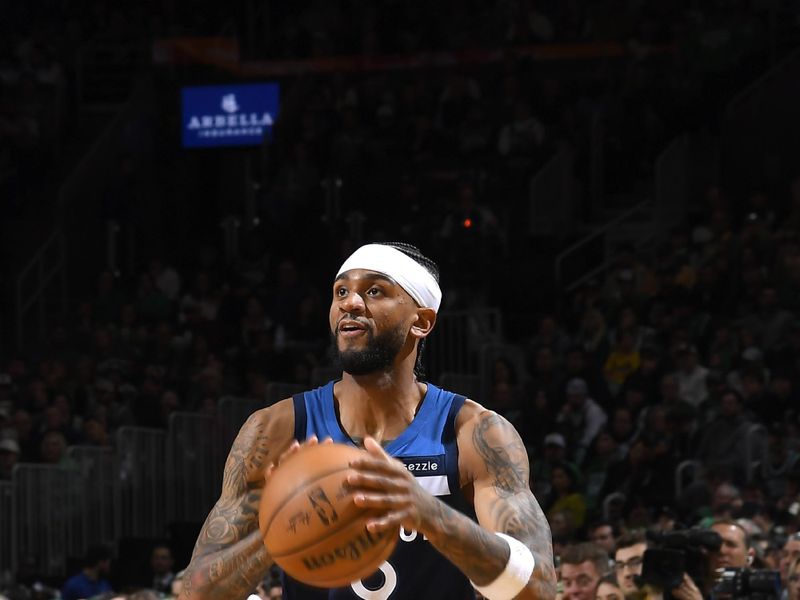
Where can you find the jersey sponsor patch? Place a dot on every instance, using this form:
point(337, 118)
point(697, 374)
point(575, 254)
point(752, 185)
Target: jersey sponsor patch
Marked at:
point(430, 473)
point(423, 466)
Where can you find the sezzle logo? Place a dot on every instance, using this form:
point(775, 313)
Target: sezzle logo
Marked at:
point(229, 103)
point(350, 550)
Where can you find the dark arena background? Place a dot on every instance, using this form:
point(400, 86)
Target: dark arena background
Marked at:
point(611, 189)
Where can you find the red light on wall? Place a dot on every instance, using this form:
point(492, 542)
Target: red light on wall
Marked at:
point(467, 223)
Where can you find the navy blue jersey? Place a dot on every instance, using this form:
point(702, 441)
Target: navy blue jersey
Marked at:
point(415, 570)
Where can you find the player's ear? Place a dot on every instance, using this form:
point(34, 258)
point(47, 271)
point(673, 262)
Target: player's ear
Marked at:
point(424, 322)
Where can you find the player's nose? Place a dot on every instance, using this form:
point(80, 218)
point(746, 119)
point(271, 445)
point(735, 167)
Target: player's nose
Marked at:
point(353, 303)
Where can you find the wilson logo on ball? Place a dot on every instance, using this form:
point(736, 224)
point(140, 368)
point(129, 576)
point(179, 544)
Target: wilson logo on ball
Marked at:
point(350, 550)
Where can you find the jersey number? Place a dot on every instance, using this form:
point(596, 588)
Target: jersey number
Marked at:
point(383, 592)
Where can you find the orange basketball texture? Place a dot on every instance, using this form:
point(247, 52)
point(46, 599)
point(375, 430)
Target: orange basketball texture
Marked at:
point(309, 523)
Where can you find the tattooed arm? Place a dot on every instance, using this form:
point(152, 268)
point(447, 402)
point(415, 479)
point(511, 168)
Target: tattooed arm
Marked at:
point(229, 558)
point(493, 460)
point(503, 498)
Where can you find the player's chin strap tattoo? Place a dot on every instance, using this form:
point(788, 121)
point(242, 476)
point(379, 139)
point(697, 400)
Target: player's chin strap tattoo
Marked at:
point(515, 576)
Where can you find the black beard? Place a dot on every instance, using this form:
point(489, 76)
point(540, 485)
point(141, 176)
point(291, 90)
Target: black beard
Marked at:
point(379, 355)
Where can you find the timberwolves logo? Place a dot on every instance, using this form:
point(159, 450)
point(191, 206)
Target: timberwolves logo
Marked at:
point(229, 104)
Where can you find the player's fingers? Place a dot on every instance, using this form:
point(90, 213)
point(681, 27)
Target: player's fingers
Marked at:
point(268, 471)
point(328, 440)
point(378, 465)
point(382, 501)
point(370, 481)
point(293, 447)
point(391, 520)
point(312, 441)
point(375, 449)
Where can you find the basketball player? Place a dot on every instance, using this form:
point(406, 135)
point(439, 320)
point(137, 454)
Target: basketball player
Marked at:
point(433, 459)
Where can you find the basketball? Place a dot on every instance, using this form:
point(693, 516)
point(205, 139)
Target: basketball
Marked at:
point(310, 525)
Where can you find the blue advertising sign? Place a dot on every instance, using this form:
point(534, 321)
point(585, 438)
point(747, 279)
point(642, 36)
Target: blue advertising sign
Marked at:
point(228, 115)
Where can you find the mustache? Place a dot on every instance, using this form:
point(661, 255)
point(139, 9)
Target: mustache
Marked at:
point(360, 320)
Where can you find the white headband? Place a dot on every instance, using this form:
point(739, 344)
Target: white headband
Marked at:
point(408, 273)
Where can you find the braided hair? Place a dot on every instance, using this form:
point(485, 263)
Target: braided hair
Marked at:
point(430, 266)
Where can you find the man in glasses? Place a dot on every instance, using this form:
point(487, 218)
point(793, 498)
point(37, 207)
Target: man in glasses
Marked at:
point(628, 562)
point(791, 553)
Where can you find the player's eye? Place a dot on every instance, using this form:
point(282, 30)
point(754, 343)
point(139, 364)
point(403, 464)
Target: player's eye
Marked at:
point(340, 292)
point(374, 291)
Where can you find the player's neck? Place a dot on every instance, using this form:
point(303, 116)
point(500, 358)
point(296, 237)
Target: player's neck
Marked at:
point(380, 405)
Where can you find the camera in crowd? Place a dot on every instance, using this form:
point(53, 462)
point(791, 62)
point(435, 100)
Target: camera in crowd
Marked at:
point(748, 583)
point(669, 555)
point(674, 553)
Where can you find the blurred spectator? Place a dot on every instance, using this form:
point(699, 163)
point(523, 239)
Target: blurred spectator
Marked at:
point(605, 452)
point(565, 495)
point(609, 589)
point(593, 335)
point(691, 376)
point(145, 595)
point(53, 449)
point(581, 418)
point(603, 534)
point(735, 552)
point(9, 456)
point(628, 560)
point(751, 360)
point(95, 433)
point(721, 442)
point(582, 567)
point(544, 373)
point(524, 135)
point(790, 554)
point(555, 452)
point(161, 563)
point(91, 580)
point(780, 462)
point(622, 361)
point(550, 335)
point(793, 580)
point(166, 279)
point(771, 321)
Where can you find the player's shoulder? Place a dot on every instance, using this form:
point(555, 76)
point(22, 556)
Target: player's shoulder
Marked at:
point(472, 414)
point(264, 436)
point(482, 433)
point(275, 418)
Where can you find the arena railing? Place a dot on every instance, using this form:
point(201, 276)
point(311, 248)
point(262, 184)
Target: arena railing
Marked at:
point(8, 540)
point(459, 336)
point(671, 184)
point(551, 195)
point(642, 225)
point(95, 522)
point(33, 284)
point(141, 490)
point(46, 500)
point(195, 461)
point(233, 412)
point(584, 251)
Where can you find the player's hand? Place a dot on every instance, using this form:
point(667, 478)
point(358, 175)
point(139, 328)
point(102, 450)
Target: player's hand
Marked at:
point(687, 590)
point(294, 448)
point(383, 483)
